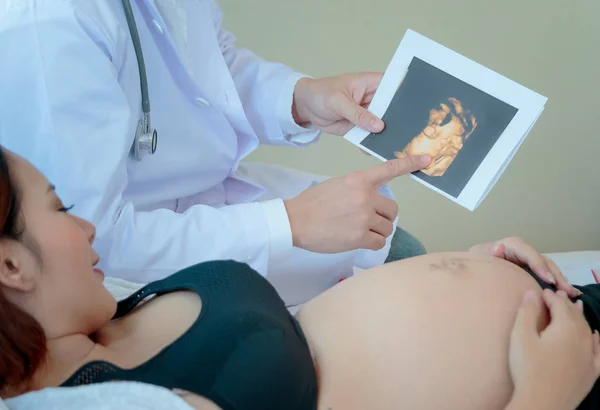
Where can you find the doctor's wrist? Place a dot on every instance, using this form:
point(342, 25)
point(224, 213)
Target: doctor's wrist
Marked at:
point(301, 102)
point(294, 212)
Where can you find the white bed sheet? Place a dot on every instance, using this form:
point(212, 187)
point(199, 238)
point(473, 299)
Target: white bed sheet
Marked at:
point(578, 266)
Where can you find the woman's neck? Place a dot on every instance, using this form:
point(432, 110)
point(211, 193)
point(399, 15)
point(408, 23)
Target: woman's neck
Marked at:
point(65, 355)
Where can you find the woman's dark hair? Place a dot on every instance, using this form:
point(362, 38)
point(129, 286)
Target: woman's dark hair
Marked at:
point(22, 339)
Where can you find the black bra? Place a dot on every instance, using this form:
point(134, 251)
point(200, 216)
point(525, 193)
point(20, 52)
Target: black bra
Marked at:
point(244, 352)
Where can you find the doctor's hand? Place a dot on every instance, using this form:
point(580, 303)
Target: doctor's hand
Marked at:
point(336, 104)
point(346, 213)
point(553, 367)
point(515, 250)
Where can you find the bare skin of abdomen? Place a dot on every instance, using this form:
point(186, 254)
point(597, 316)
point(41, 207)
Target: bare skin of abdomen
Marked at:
point(426, 333)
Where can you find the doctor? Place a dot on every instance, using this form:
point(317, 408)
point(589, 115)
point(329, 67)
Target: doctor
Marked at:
point(73, 102)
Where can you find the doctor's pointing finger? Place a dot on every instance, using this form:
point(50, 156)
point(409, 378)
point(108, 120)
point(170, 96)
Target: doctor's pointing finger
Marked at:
point(142, 113)
point(346, 213)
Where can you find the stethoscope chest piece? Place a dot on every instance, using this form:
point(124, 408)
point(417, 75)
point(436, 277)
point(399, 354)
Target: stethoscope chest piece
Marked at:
point(146, 138)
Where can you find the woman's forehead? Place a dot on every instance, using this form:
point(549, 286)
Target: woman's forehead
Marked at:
point(25, 174)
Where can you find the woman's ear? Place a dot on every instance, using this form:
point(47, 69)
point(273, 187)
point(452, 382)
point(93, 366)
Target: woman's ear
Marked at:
point(13, 274)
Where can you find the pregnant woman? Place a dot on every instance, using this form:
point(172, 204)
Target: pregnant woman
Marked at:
point(440, 331)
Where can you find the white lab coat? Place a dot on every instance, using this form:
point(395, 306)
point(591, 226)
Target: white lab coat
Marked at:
point(70, 104)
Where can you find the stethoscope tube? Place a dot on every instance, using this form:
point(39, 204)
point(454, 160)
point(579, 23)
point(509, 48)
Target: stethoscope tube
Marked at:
point(145, 137)
point(137, 45)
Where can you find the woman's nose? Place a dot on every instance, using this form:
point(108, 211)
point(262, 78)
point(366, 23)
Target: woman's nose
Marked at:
point(89, 229)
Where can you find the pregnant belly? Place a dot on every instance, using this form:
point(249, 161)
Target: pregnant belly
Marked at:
point(426, 333)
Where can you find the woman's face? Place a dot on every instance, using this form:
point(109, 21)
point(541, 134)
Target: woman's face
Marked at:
point(57, 283)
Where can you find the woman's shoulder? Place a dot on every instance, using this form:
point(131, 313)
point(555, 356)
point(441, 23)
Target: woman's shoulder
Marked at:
point(203, 278)
point(218, 266)
point(209, 274)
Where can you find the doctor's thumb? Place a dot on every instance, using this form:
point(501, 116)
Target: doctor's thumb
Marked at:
point(360, 116)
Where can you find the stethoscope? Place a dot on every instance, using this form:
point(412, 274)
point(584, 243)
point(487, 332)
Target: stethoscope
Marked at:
point(145, 136)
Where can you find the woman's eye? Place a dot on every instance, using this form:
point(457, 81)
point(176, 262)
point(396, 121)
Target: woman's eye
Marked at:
point(66, 209)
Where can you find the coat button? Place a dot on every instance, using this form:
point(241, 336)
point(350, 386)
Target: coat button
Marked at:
point(201, 102)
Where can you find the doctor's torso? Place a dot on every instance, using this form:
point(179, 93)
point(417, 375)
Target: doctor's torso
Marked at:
point(195, 108)
point(202, 128)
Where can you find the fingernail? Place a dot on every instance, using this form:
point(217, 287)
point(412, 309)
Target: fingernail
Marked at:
point(551, 278)
point(425, 159)
point(580, 304)
point(578, 292)
point(376, 124)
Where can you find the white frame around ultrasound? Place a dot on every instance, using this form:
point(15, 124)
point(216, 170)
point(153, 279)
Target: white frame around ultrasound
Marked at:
point(529, 104)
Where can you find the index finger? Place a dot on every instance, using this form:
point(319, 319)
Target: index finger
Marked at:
point(383, 173)
point(527, 255)
point(544, 268)
point(370, 80)
point(560, 306)
point(561, 280)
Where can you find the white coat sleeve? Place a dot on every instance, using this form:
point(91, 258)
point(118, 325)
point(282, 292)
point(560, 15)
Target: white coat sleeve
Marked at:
point(266, 89)
point(62, 108)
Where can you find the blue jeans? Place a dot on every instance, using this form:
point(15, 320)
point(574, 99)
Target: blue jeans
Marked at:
point(404, 245)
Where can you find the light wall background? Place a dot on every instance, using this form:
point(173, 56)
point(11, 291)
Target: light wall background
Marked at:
point(550, 192)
